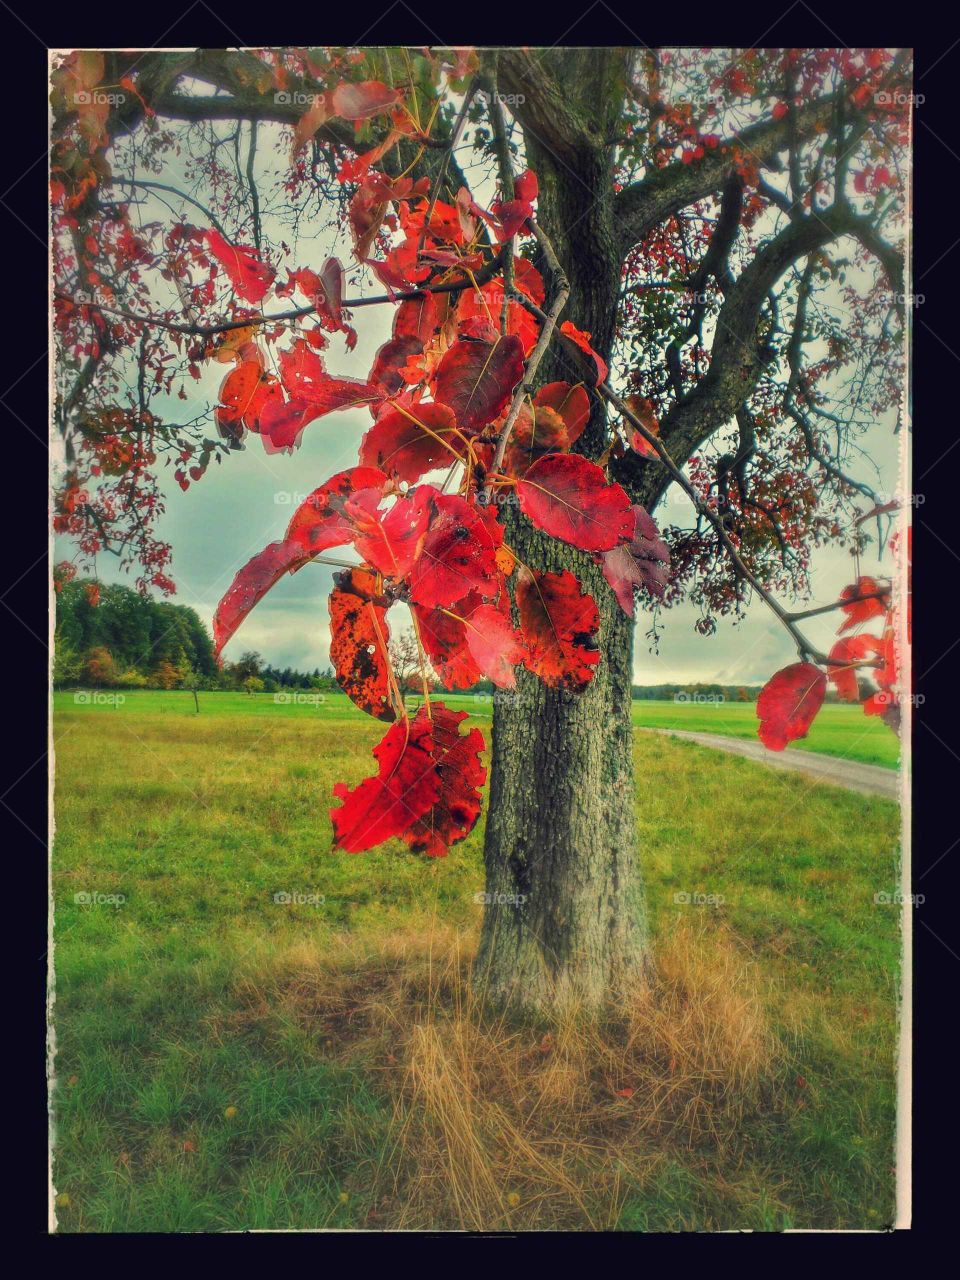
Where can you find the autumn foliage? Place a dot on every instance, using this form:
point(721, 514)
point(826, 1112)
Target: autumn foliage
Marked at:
point(458, 432)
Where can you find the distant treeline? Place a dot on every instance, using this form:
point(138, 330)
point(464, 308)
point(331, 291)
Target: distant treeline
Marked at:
point(697, 692)
point(112, 637)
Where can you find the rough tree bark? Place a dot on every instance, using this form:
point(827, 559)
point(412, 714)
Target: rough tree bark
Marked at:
point(565, 922)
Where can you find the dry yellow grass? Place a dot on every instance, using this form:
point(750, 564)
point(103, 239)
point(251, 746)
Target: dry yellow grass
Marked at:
point(497, 1127)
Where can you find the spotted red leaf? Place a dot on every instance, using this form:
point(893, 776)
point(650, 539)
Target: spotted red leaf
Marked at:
point(460, 775)
point(251, 584)
point(459, 553)
point(321, 520)
point(494, 644)
point(788, 703)
point(405, 787)
point(250, 277)
point(476, 379)
point(559, 624)
point(569, 497)
point(409, 442)
point(644, 561)
point(359, 640)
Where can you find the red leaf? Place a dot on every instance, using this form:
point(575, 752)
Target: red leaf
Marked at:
point(850, 650)
point(250, 277)
point(559, 623)
point(571, 402)
point(409, 442)
point(321, 520)
point(392, 540)
point(460, 775)
point(861, 610)
point(359, 638)
point(363, 100)
point(788, 703)
point(445, 642)
point(493, 643)
point(535, 434)
point(405, 788)
point(570, 498)
point(642, 562)
point(582, 339)
point(476, 379)
point(390, 360)
point(459, 554)
point(251, 584)
point(416, 318)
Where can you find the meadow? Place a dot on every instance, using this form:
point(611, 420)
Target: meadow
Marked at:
point(253, 1031)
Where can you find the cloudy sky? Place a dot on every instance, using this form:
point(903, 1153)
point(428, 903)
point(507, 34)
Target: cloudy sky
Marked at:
point(245, 502)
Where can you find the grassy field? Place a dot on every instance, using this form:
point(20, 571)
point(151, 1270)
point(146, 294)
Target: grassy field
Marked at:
point(226, 1060)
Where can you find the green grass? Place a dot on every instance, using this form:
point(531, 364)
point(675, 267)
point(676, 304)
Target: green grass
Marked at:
point(199, 820)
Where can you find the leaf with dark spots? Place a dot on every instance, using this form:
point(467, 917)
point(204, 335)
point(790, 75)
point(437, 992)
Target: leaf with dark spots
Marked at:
point(321, 520)
point(559, 624)
point(405, 788)
point(459, 554)
point(460, 776)
point(359, 640)
point(392, 540)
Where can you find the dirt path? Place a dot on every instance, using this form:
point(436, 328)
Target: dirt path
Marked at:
point(869, 779)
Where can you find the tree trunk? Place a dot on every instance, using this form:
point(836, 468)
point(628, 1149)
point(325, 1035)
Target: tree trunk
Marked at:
point(565, 922)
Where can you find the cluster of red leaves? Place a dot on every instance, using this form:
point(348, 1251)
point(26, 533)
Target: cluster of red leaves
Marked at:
point(440, 392)
point(791, 699)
